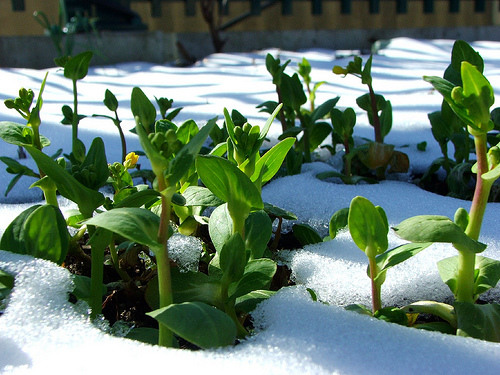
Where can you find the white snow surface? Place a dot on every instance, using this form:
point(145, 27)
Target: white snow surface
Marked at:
point(41, 332)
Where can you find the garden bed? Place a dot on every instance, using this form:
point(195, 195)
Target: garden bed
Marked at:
point(44, 332)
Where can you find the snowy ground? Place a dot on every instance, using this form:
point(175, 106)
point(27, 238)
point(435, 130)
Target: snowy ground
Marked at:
point(42, 332)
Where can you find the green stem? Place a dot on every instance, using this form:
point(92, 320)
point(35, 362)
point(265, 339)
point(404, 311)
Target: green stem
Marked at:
point(163, 262)
point(238, 224)
point(482, 191)
point(51, 196)
point(376, 298)
point(306, 142)
point(116, 262)
point(74, 124)
point(241, 332)
point(96, 272)
point(122, 137)
point(376, 119)
point(467, 259)
point(465, 282)
point(284, 127)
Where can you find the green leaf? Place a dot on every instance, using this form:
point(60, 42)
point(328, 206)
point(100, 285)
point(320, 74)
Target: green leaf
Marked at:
point(292, 91)
point(144, 334)
point(338, 221)
point(232, 259)
point(45, 235)
point(6, 284)
point(318, 133)
point(138, 198)
point(229, 183)
point(249, 301)
point(142, 108)
point(269, 122)
point(12, 132)
point(433, 228)
point(272, 210)
point(487, 274)
point(306, 235)
point(396, 256)
point(135, 224)
point(478, 93)
point(324, 109)
point(96, 160)
point(201, 196)
point(439, 309)
point(462, 51)
point(86, 199)
point(77, 66)
point(83, 288)
point(258, 275)
point(443, 86)
point(188, 287)
point(110, 101)
point(366, 75)
point(392, 315)
point(258, 231)
point(220, 226)
point(478, 321)
point(198, 323)
point(386, 119)
point(184, 159)
point(367, 227)
point(12, 237)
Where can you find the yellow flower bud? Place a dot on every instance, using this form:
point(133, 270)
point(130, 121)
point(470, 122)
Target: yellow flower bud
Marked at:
point(131, 160)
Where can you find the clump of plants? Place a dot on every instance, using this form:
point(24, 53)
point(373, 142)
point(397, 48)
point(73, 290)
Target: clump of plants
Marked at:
point(449, 129)
point(207, 308)
point(468, 274)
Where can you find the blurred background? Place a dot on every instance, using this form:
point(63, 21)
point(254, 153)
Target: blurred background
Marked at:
point(33, 32)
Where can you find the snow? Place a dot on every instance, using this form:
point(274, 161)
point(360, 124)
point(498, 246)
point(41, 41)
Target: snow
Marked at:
point(41, 332)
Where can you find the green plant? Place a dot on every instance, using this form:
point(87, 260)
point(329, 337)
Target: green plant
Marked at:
point(63, 33)
point(467, 275)
point(291, 93)
point(447, 127)
point(375, 155)
point(75, 68)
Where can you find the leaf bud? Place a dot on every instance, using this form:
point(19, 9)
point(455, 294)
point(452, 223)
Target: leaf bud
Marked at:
point(493, 156)
point(462, 218)
point(339, 70)
point(9, 103)
point(457, 94)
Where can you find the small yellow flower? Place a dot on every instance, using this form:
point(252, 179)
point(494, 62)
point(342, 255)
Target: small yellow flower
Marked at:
point(131, 160)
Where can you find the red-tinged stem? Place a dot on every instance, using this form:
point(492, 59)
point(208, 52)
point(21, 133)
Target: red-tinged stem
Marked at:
point(376, 298)
point(466, 258)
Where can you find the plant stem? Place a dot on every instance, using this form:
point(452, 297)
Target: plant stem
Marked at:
point(306, 142)
point(467, 259)
point(376, 298)
point(465, 282)
point(122, 136)
point(239, 224)
point(376, 119)
point(482, 190)
point(284, 127)
point(96, 273)
point(116, 262)
point(163, 262)
point(74, 120)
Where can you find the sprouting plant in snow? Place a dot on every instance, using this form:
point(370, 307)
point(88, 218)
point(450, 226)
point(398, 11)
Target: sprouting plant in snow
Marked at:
point(375, 155)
